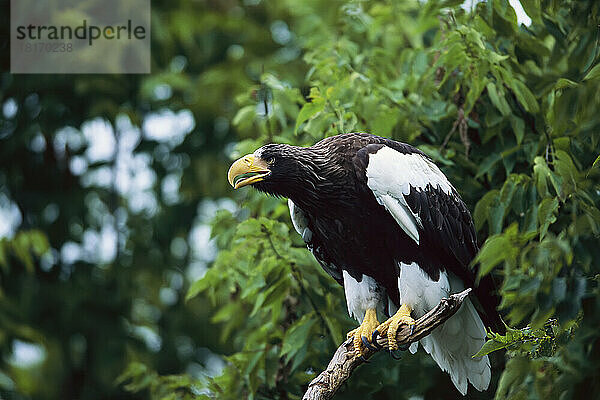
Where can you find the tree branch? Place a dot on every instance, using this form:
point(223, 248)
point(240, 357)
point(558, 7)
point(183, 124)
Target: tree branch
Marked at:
point(345, 360)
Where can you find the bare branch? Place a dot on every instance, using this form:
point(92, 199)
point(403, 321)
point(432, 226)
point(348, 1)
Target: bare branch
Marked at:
point(345, 360)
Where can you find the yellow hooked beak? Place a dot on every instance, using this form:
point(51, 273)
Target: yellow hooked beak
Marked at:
point(247, 170)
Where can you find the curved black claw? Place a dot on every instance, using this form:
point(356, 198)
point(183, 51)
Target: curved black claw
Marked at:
point(374, 337)
point(369, 345)
point(399, 349)
point(374, 340)
point(412, 329)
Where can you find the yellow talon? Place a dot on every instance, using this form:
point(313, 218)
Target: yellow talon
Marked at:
point(365, 329)
point(390, 327)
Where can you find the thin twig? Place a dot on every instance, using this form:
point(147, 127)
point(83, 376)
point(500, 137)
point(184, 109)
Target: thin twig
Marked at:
point(454, 126)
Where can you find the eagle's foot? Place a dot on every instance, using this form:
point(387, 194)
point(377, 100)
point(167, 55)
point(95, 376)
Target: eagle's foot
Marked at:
point(390, 327)
point(361, 336)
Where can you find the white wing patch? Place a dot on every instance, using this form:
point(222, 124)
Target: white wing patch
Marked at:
point(398, 171)
point(299, 221)
point(402, 214)
point(391, 174)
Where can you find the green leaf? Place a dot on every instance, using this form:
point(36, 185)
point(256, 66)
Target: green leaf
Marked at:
point(533, 10)
point(498, 102)
point(133, 370)
point(596, 161)
point(487, 164)
point(565, 83)
point(543, 174)
point(384, 121)
point(524, 96)
point(22, 248)
point(593, 74)
point(490, 346)
point(276, 293)
point(39, 242)
point(244, 117)
point(253, 361)
point(474, 92)
point(497, 341)
point(199, 286)
point(481, 212)
point(494, 251)
point(310, 109)
point(496, 213)
point(250, 227)
point(518, 126)
point(546, 216)
point(297, 336)
point(516, 371)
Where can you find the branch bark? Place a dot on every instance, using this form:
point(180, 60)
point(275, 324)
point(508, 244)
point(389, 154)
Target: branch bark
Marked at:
point(345, 360)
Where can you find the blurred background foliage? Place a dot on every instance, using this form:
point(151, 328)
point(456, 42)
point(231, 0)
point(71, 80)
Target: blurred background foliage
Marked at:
point(130, 269)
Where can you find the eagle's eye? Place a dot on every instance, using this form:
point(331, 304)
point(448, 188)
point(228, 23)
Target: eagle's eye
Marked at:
point(270, 160)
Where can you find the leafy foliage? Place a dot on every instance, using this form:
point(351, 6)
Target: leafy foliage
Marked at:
point(24, 247)
point(137, 377)
point(520, 100)
point(116, 227)
point(533, 342)
point(272, 303)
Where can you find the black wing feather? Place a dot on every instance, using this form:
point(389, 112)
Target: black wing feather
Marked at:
point(448, 234)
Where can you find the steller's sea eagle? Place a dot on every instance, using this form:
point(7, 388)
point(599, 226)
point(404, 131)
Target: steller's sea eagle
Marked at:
point(384, 222)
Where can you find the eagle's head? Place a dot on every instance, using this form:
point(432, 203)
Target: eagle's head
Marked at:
point(277, 169)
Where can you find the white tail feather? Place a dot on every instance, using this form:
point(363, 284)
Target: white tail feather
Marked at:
point(452, 345)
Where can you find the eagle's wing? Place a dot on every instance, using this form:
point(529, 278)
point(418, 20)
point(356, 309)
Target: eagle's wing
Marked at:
point(301, 224)
point(424, 204)
point(428, 209)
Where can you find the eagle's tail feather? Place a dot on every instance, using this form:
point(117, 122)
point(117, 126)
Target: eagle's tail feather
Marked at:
point(453, 344)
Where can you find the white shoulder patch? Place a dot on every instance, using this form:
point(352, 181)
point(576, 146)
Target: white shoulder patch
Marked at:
point(395, 172)
point(391, 175)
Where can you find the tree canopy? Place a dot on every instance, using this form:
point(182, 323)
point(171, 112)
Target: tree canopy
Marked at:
point(130, 269)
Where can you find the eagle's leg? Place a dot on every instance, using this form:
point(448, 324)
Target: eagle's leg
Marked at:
point(365, 331)
point(390, 327)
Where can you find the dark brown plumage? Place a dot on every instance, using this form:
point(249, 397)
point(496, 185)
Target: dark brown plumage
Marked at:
point(371, 210)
